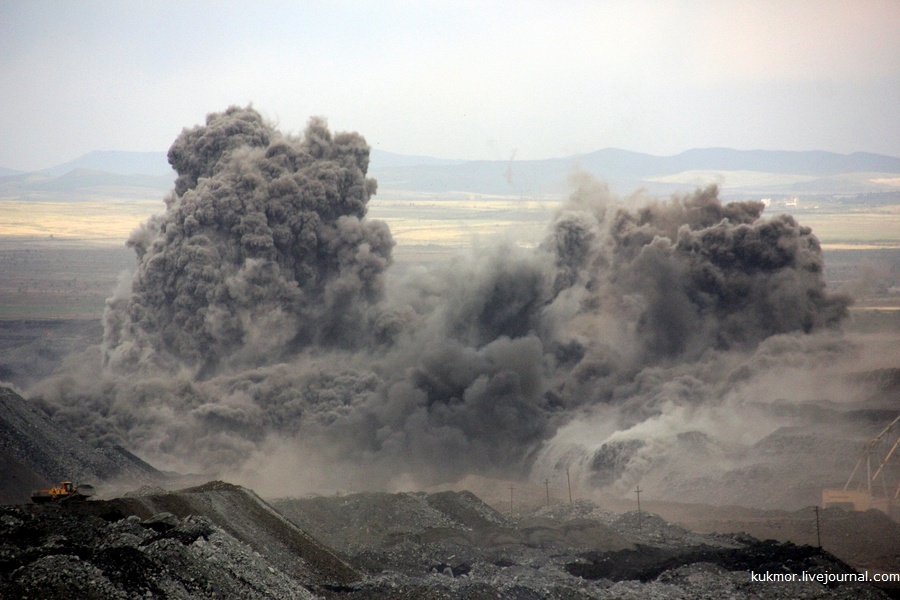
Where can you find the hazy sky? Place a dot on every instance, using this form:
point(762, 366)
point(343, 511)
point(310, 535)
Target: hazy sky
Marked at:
point(454, 79)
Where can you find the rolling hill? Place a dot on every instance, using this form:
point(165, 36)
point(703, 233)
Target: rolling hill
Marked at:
point(738, 171)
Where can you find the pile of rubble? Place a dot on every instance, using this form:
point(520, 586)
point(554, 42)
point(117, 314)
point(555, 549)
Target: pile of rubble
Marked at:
point(220, 540)
point(36, 452)
point(452, 545)
point(54, 554)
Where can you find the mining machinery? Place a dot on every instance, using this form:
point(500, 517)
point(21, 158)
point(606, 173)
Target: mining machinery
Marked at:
point(66, 490)
point(879, 487)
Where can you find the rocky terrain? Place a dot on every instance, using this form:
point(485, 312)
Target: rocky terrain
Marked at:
point(36, 451)
point(453, 545)
point(220, 540)
point(865, 540)
point(107, 550)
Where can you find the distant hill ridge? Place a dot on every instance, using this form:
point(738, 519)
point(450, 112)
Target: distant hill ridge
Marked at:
point(622, 162)
point(116, 162)
point(626, 170)
point(622, 168)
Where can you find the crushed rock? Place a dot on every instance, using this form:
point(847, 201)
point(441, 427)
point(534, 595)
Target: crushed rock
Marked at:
point(36, 449)
point(52, 554)
point(406, 546)
point(469, 550)
point(144, 490)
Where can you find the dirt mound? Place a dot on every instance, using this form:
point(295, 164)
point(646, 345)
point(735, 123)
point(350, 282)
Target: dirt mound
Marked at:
point(246, 517)
point(55, 553)
point(866, 540)
point(370, 522)
point(221, 540)
point(213, 486)
point(451, 545)
point(646, 563)
point(18, 480)
point(37, 450)
point(355, 522)
point(466, 509)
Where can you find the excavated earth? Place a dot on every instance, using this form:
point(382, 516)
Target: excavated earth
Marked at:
point(219, 540)
point(223, 541)
point(452, 545)
point(36, 452)
point(212, 541)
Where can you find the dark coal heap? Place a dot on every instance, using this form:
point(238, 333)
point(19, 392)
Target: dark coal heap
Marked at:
point(219, 540)
point(36, 452)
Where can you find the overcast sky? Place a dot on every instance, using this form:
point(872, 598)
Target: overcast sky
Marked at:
point(454, 79)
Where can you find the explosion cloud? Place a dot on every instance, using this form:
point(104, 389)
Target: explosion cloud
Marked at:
point(263, 250)
point(259, 323)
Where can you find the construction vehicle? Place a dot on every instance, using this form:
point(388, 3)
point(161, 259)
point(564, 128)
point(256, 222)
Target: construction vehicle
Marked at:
point(881, 487)
point(66, 490)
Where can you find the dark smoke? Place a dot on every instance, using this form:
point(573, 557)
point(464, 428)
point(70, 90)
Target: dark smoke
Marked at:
point(259, 329)
point(693, 274)
point(263, 250)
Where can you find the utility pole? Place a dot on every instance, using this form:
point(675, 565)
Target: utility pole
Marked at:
point(547, 485)
point(818, 531)
point(569, 483)
point(511, 488)
point(638, 492)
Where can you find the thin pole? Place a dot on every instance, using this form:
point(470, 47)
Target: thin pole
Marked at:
point(569, 483)
point(638, 492)
point(511, 488)
point(818, 529)
point(869, 468)
point(547, 485)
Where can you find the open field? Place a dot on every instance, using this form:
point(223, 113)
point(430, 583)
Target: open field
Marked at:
point(98, 222)
point(61, 259)
point(876, 228)
point(451, 220)
point(50, 279)
point(463, 220)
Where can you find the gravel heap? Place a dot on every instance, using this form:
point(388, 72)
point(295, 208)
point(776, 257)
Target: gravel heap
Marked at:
point(56, 554)
point(452, 545)
point(90, 550)
point(220, 540)
point(35, 451)
point(867, 540)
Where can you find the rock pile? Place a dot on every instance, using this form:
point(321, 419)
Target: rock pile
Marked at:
point(452, 545)
point(36, 451)
point(56, 554)
point(220, 540)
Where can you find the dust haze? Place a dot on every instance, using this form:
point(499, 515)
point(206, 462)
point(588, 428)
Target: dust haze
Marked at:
point(263, 338)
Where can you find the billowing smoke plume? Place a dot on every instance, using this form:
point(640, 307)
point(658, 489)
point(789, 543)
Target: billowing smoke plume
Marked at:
point(671, 281)
point(258, 329)
point(263, 250)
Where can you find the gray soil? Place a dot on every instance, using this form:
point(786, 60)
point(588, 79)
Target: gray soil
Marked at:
point(220, 540)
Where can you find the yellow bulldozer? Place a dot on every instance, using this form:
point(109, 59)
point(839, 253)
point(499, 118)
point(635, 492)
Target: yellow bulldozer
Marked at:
point(879, 486)
point(66, 490)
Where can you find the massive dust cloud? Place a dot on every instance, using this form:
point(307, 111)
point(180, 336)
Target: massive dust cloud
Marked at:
point(260, 335)
point(263, 251)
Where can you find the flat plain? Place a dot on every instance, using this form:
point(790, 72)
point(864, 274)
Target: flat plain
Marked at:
point(60, 259)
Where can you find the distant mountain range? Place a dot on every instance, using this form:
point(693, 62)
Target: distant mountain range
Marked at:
point(740, 171)
point(118, 163)
point(761, 170)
